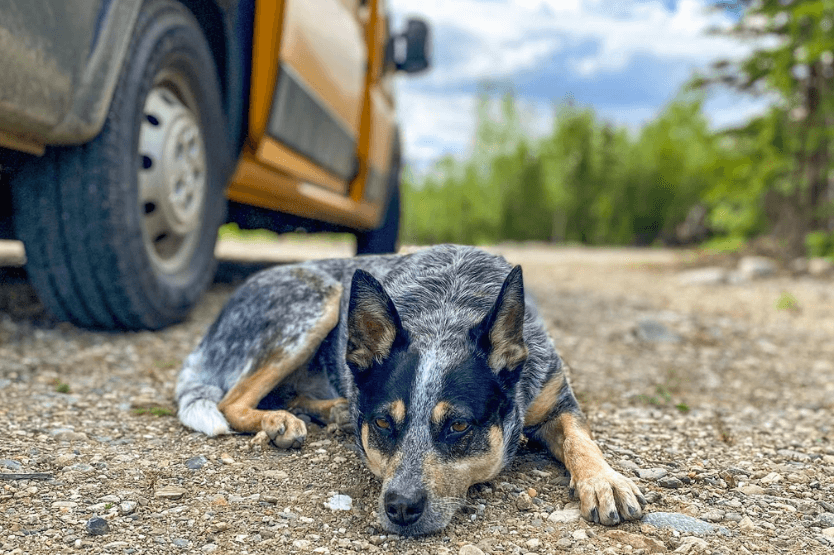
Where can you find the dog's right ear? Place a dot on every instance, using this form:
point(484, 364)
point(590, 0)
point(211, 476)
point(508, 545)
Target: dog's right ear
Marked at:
point(373, 323)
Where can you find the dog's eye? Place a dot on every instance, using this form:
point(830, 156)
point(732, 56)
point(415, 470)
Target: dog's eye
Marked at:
point(459, 426)
point(382, 423)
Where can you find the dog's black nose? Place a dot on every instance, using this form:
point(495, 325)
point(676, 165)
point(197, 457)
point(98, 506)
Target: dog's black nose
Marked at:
point(404, 510)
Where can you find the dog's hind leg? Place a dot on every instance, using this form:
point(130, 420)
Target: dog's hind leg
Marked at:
point(554, 418)
point(335, 411)
point(290, 348)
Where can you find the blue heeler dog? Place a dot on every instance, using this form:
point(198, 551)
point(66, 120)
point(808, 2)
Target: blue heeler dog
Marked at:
point(436, 358)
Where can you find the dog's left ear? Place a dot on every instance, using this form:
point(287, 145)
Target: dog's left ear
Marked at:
point(502, 330)
point(373, 322)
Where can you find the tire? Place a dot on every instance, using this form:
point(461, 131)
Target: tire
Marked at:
point(113, 241)
point(385, 239)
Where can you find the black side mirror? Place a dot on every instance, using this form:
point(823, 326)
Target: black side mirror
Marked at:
point(410, 51)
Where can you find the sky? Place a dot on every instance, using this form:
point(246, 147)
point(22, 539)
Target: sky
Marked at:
point(627, 59)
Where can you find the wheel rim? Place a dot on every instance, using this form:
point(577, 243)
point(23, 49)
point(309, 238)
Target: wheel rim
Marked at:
point(172, 178)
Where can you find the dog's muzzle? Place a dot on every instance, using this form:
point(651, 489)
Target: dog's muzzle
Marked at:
point(405, 510)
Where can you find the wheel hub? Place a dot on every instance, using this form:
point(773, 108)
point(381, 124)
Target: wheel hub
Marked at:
point(184, 163)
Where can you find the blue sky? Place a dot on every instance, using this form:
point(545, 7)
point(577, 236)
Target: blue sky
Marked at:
point(626, 59)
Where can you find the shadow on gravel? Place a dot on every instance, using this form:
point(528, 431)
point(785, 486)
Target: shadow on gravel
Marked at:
point(19, 301)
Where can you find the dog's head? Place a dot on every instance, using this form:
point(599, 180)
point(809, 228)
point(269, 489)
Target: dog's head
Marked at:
point(435, 410)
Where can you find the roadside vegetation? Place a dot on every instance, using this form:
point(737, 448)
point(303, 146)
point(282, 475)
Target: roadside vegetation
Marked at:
point(673, 181)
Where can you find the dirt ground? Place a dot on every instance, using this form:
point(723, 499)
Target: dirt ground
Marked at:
point(717, 399)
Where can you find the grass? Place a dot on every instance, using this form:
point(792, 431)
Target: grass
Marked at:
point(788, 302)
point(666, 392)
point(61, 387)
point(724, 244)
point(154, 411)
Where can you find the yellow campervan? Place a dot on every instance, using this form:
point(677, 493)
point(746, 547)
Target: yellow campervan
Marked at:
point(131, 129)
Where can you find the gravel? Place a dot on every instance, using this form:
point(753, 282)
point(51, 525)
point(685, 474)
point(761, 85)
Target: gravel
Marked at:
point(736, 415)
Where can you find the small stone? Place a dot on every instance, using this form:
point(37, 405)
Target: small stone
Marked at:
point(196, 463)
point(339, 502)
point(746, 524)
point(209, 547)
point(523, 502)
point(180, 542)
point(691, 545)
point(564, 543)
point(670, 482)
point(225, 458)
point(580, 535)
point(564, 516)
point(67, 434)
point(127, 507)
point(703, 276)
point(97, 526)
point(682, 523)
point(10, 464)
point(651, 473)
point(532, 492)
point(112, 499)
point(713, 516)
point(753, 267)
point(169, 492)
point(637, 541)
point(261, 439)
point(64, 504)
point(751, 489)
point(771, 478)
point(470, 549)
point(828, 532)
point(819, 267)
point(826, 520)
point(653, 331)
point(533, 543)
point(301, 544)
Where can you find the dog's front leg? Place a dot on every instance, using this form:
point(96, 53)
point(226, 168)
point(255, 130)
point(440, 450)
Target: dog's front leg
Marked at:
point(605, 496)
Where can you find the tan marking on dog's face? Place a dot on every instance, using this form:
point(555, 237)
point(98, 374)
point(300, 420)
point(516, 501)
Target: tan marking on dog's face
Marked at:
point(451, 479)
point(370, 334)
point(544, 402)
point(380, 464)
point(506, 337)
point(397, 411)
point(440, 411)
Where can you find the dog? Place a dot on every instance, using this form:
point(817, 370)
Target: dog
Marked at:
point(436, 359)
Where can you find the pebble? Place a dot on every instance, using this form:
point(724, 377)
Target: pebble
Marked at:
point(746, 524)
point(564, 516)
point(819, 267)
point(209, 548)
point(97, 526)
point(713, 516)
point(226, 458)
point(828, 532)
point(682, 523)
point(169, 492)
point(753, 267)
point(127, 507)
point(690, 545)
point(523, 502)
point(180, 542)
point(826, 520)
point(651, 473)
point(751, 490)
point(564, 543)
point(10, 464)
point(339, 502)
point(533, 543)
point(470, 549)
point(636, 541)
point(580, 534)
point(653, 331)
point(196, 463)
point(703, 276)
point(670, 482)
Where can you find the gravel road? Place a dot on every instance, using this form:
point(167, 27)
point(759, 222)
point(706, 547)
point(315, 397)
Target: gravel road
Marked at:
point(717, 398)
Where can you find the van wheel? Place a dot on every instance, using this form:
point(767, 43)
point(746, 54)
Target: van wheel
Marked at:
point(385, 239)
point(120, 232)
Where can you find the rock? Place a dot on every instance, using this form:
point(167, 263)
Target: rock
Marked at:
point(127, 507)
point(196, 463)
point(828, 532)
point(209, 548)
point(751, 490)
point(564, 516)
point(339, 502)
point(713, 516)
point(470, 549)
point(301, 544)
point(112, 499)
point(10, 464)
point(564, 543)
point(180, 542)
point(651, 473)
point(746, 524)
point(799, 265)
point(754, 267)
point(580, 535)
point(682, 523)
point(226, 458)
point(703, 276)
point(653, 331)
point(692, 545)
point(68, 434)
point(169, 492)
point(670, 482)
point(826, 520)
point(637, 541)
point(97, 526)
point(771, 478)
point(652, 497)
point(533, 543)
point(532, 492)
point(819, 267)
point(64, 504)
point(523, 502)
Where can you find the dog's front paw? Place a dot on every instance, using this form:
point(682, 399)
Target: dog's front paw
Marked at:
point(607, 497)
point(284, 429)
point(340, 415)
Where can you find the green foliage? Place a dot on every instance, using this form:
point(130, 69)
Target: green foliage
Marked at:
point(584, 182)
point(819, 244)
point(787, 302)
